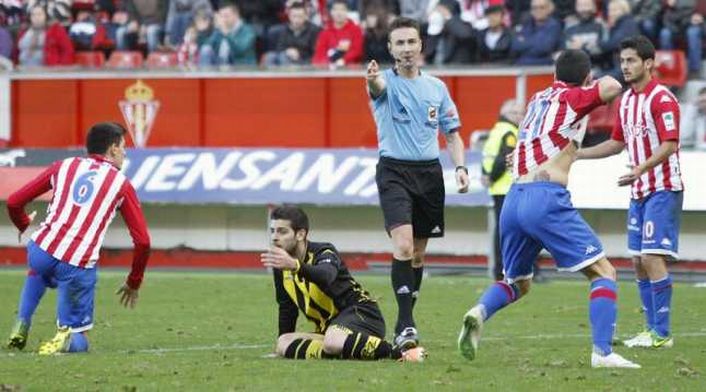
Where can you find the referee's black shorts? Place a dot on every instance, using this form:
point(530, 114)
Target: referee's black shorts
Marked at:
point(412, 192)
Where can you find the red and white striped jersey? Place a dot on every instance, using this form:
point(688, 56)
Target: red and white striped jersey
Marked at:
point(645, 120)
point(87, 193)
point(551, 122)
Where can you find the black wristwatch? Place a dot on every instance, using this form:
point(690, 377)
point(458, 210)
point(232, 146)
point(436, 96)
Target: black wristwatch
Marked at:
point(464, 168)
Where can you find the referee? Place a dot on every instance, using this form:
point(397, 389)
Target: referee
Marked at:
point(410, 107)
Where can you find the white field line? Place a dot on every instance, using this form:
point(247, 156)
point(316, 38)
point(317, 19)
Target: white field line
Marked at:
point(238, 347)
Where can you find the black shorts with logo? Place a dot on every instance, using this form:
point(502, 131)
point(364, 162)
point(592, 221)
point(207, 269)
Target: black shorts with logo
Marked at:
point(412, 192)
point(364, 317)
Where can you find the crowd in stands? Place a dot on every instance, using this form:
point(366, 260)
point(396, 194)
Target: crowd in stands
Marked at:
point(343, 32)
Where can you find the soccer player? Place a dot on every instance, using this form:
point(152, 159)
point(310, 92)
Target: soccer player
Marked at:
point(648, 123)
point(311, 277)
point(410, 107)
point(63, 253)
point(538, 213)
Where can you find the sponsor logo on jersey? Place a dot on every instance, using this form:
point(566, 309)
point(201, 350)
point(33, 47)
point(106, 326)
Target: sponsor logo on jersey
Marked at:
point(669, 123)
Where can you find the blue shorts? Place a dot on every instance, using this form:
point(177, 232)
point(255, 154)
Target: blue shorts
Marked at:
point(653, 224)
point(75, 288)
point(540, 215)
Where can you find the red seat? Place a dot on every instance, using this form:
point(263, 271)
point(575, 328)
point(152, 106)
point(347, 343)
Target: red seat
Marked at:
point(671, 68)
point(90, 59)
point(125, 59)
point(162, 60)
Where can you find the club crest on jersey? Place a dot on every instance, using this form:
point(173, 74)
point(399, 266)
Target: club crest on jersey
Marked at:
point(139, 109)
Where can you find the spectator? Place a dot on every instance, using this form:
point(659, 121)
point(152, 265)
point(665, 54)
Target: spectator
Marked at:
point(58, 11)
point(494, 42)
point(415, 9)
point(564, 9)
point(203, 24)
point(450, 39)
point(44, 43)
point(680, 18)
point(341, 42)
point(519, 11)
point(377, 19)
point(260, 14)
point(87, 33)
point(232, 42)
point(587, 33)
point(621, 25)
point(536, 40)
point(6, 46)
point(180, 16)
point(295, 41)
point(646, 13)
point(145, 24)
point(692, 127)
point(473, 12)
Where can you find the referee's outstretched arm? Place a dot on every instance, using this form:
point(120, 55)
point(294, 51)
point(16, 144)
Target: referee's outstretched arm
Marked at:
point(376, 83)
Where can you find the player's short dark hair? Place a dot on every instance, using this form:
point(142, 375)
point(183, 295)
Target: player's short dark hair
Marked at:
point(229, 4)
point(299, 5)
point(642, 45)
point(334, 2)
point(401, 23)
point(572, 66)
point(295, 215)
point(103, 135)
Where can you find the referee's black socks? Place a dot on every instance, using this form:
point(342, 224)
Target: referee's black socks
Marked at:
point(403, 283)
point(418, 275)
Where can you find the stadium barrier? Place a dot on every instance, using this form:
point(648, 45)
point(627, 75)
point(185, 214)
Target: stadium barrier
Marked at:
point(208, 207)
point(230, 108)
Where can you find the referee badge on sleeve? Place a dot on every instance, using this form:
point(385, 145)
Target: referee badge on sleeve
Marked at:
point(432, 113)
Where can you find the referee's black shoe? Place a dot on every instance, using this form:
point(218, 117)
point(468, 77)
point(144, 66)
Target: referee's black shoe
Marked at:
point(407, 339)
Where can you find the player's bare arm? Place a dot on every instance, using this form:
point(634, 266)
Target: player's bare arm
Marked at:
point(455, 146)
point(665, 149)
point(607, 148)
point(609, 88)
point(376, 83)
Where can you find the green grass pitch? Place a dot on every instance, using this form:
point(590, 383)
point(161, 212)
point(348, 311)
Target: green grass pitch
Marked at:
point(208, 331)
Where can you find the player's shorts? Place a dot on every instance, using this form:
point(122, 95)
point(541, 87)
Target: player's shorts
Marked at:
point(653, 224)
point(362, 317)
point(540, 215)
point(75, 288)
point(412, 192)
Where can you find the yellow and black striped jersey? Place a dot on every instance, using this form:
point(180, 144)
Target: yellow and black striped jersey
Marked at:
point(320, 289)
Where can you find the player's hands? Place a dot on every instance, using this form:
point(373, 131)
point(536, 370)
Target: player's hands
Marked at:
point(631, 177)
point(373, 71)
point(278, 258)
point(128, 296)
point(462, 180)
point(31, 218)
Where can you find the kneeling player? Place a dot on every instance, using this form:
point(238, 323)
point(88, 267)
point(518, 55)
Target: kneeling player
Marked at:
point(312, 277)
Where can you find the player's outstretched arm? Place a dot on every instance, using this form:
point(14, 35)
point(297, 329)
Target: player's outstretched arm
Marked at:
point(607, 148)
point(135, 221)
point(17, 201)
point(609, 88)
point(376, 83)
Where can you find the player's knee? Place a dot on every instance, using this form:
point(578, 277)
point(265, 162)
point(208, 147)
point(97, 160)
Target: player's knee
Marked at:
point(282, 343)
point(404, 249)
point(333, 343)
point(600, 269)
point(79, 343)
point(524, 286)
point(418, 259)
